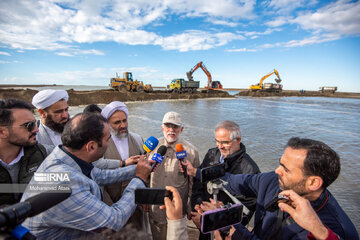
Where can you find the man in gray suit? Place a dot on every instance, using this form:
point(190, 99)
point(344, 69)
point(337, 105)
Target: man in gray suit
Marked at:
point(125, 146)
point(53, 109)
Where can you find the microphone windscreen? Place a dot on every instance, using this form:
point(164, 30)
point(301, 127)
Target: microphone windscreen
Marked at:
point(162, 150)
point(46, 200)
point(150, 144)
point(179, 147)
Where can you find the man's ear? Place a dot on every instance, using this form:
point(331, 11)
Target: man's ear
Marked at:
point(4, 132)
point(42, 113)
point(238, 140)
point(314, 183)
point(91, 146)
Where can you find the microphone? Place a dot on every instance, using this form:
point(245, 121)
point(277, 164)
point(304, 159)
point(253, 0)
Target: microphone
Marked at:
point(158, 157)
point(22, 233)
point(150, 144)
point(181, 154)
point(15, 214)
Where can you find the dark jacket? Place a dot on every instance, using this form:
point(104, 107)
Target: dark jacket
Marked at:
point(238, 162)
point(265, 186)
point(29, 163)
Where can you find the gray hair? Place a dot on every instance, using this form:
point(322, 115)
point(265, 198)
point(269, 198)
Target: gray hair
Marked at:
point(232, 127)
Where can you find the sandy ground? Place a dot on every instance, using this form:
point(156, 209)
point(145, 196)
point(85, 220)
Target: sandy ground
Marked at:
point(107, 96)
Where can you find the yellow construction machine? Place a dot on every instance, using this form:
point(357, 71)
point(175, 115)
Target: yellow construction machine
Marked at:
point(128, 84)
point(215, 85)
point(268, 87)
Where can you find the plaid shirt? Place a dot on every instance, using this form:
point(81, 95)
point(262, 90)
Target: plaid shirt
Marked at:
point(77, 216)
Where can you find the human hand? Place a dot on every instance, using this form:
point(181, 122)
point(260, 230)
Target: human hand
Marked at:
point(143, 168)
point(132, 160)
point(303, 214)
point(195, 217)
point(191, 171)
point(173, 207)
point(212, 205)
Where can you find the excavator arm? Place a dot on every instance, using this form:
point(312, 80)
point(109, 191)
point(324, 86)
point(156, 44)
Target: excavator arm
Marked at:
point(202, 66)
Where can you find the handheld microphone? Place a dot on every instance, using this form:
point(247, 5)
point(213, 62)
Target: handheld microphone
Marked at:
point(181, 154)
point(150, 144)
point(158, 157)
point(15, 214)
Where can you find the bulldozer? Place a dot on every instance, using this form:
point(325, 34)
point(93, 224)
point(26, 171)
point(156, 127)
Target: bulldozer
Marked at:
point(128, 84)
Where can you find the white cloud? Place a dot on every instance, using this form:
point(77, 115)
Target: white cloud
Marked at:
point(279, 21)
point(198, 40)
point(5, 53)
point(241, 50)
point(341, 17)
point(46, 25)
point(316, 39)
point(3, 62)
point(286, 6)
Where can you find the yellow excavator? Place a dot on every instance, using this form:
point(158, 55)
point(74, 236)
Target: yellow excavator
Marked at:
point(269, 87)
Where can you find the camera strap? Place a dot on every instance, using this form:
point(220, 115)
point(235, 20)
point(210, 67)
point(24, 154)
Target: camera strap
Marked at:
point(279, 223)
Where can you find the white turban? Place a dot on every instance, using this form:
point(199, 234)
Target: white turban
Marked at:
point(112, 107)
point(48, 97)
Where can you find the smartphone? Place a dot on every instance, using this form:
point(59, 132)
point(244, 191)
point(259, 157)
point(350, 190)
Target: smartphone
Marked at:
point(212, 172)
point(151, 196)
point(272, 206)
point(221, 218)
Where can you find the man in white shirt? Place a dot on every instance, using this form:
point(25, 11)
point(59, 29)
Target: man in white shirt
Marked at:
point(125, 146)
point(53, 109)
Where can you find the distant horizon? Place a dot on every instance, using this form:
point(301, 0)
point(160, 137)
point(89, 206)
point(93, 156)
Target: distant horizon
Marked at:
point(201, 88)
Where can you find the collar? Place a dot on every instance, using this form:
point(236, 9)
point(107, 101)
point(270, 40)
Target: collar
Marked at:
point(319, 203)
point(16, 160)
point(85, 167)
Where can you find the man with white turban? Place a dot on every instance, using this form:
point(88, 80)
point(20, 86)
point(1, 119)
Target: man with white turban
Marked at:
point(53, 109)
point(126, 147)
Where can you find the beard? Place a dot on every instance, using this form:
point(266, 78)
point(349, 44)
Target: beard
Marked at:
point(118, 134)
point(57, 127)
point(170, 138)
point(23, 143)
point(298, 187)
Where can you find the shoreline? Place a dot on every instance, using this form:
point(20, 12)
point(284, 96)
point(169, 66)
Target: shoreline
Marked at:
point(106, 96)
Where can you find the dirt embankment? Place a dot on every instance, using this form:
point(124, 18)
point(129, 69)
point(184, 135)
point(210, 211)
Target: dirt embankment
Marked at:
point(107, 96)
point(292, 93)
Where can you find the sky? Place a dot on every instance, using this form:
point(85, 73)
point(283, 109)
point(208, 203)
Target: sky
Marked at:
point(311, 43)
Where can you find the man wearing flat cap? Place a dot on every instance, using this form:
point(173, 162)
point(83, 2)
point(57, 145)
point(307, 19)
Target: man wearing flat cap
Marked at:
point(168, 172)
point(53, 109)
point(126, 147)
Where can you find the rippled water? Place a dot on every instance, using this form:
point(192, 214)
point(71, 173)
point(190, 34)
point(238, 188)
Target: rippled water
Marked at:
point(266, 125)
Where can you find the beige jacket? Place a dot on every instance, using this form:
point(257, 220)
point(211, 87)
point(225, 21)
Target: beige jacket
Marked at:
point(168, 174)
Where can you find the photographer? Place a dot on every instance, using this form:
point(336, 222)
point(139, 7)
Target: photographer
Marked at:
point(307, 167)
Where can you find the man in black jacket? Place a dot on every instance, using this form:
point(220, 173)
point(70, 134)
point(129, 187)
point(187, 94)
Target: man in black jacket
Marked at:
point(20, 154)
point(232, 153)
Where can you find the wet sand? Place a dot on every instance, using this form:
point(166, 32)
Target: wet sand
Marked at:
point(105, 96)
point(108, 95)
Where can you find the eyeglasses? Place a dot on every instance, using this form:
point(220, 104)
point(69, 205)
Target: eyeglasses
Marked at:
point(224, 143)
point(169, 125)
point(29, 125)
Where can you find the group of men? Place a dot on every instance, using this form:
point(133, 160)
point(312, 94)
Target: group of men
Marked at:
point(107, 163)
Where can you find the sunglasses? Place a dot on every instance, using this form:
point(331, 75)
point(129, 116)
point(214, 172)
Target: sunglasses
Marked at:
point(29, 125)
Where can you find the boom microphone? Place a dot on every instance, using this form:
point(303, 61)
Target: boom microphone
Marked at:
point(15, 214)
point(181, 154)
point(150, 144)
point(158, 157)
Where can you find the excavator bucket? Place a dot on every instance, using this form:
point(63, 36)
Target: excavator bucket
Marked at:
point(277, 80)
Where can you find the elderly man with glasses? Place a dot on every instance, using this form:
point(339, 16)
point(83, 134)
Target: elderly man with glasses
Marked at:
point(20, 153)
point(232, 152)
point(168, 172)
